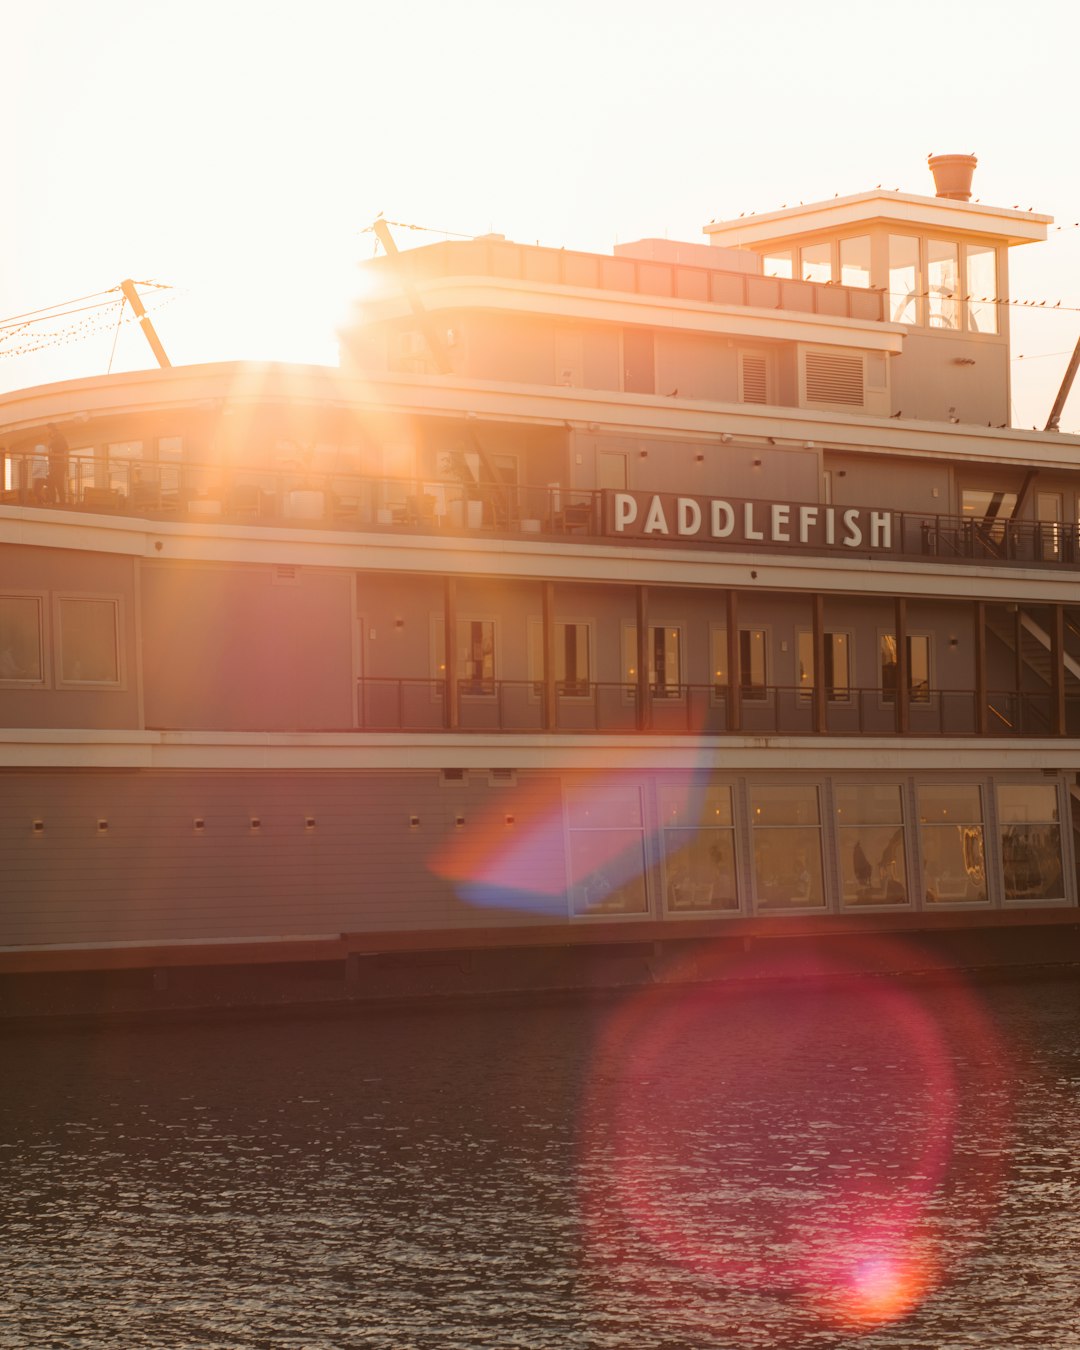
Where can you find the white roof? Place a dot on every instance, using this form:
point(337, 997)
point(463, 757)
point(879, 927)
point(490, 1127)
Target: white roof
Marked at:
point(1010, 225)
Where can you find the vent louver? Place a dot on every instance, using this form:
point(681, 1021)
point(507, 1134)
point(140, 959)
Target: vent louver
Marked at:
point(834, 379)
point(754, 385)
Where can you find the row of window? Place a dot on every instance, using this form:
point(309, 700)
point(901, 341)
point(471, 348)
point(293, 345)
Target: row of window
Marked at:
point(924, 277)
point(575, 664)
point(881, 860)
point(74, 643)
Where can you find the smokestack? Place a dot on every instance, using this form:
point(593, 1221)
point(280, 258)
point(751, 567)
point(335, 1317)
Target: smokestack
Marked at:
point(952, 175)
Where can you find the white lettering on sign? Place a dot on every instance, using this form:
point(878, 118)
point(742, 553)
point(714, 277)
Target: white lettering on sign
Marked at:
point(625, 511)
point(656, 521)
point(853, 537)
point(721, 512)
point(689, 516)
point(749, 522)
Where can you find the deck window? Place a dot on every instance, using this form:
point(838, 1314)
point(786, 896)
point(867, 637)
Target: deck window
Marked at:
point(918, 654)
point(778, 264)
point(981, 266)
point(943, 283)
point(870, 832)
point(1031, 841)
point(475, 654)
point(22, 652)
point(951, 838)
point(89, 640)
point(816, 263)
point(665, 659)
point(752, 667)
point(903, 306)
point(855, 261)
point(605, 849)
point(786, 825)
point(573, 663)
point(837, 665)
point(698, 836)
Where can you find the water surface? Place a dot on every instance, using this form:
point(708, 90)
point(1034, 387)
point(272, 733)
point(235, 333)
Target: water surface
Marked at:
point(855, 1164)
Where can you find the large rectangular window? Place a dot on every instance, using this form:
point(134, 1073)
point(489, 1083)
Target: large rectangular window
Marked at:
point(753, 682)
point(698, 835)
point(982, 289)
point(89, 640)
point(664, 655)
point(837, 665)
point(943, 283)
point(855, 261)
point(951, 837)
point(918, 656)
point(572, 658)
point(777, 264)
point(22, 652)
point(606, 847)
point(870, 832)
point(475, 654)
point(1031, 841)
point(816, 262)
point(903, 306)
point(786, 825)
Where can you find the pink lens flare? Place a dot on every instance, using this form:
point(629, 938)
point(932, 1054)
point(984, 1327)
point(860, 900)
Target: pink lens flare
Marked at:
point(706, 1142)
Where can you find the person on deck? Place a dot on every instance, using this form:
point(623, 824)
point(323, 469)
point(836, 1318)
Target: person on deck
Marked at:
point(57, 481)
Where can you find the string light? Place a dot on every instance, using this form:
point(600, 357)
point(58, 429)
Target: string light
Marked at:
point(110, 312)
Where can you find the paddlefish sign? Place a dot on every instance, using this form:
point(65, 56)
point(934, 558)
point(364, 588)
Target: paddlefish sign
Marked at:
point(663, 515)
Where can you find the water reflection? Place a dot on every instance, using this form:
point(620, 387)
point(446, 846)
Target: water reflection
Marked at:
point(764, 1166)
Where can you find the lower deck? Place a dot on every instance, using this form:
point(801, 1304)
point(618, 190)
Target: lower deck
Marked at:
point(98, 860)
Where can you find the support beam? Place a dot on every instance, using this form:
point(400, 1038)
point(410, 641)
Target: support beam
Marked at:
point(982, 698)
point(432, 336)
point(734, 702)
point(644, 700)
point(903, 669)
point(821, 714)
point(1057, 670)
point(450, 653)
point(131, 295)
point(547, 606)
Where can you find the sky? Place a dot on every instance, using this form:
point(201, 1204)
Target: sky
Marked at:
point(236, 151)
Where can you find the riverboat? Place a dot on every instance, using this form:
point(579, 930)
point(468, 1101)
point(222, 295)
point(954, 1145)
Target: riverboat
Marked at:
point(694, 592)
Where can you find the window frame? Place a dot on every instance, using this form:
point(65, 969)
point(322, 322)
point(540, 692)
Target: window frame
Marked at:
point(438, 653)
point(535, 658)
point(914, 699)
point(44, 649)
point(117, 601)
point(807, 694)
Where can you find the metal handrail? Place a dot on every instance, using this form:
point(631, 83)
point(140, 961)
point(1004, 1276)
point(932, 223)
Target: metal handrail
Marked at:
point(416, 703)
point(295, 494)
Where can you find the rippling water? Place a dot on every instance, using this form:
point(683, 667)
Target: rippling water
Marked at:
point(745, 1167)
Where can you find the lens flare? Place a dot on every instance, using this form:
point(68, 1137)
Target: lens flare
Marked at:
point(709, 1143)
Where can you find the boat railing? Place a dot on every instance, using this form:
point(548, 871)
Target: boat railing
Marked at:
point(296, 494)
point(481, 704)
